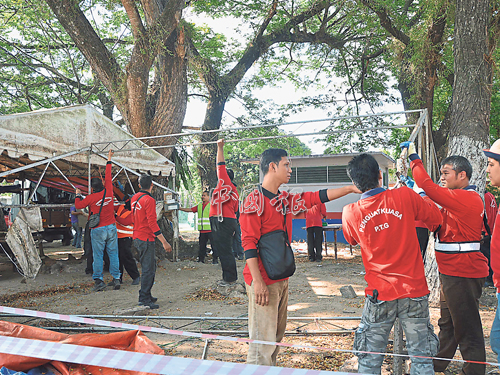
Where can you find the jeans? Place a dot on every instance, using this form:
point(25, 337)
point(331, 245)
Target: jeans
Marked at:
point(148, 263)
point(77, 240)
point(495, 331)
point(105, 238)
point(315, 241)
point(267, 323)
point(376, 323)
point(222, 236)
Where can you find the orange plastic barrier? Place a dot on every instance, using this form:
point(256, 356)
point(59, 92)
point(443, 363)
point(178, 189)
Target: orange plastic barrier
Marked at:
point(134, 341)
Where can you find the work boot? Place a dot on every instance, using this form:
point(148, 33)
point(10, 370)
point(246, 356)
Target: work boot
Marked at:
point(115, 283)
point(136, 281)
point(99, 285)
point(151, 305)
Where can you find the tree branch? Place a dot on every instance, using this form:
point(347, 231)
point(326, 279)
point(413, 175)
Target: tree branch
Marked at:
point(385, 21)
point(138, 29)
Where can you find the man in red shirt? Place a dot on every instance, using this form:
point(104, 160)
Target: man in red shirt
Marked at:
point(145, 230)
point(314, 225)
point(493, 171)
point(462, 266)
point(382, 222)
point(262, 213)
point(223, 208)
point(103, 236)
point(203, 210)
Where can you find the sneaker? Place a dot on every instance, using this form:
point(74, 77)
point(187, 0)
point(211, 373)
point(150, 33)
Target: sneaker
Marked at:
point(319, 259)
point(154, 299)
point(151, 305)
point(215, 262)
point(98, 285)
point(226, 283)
point(115, 283)
point(136, 281)
point(241, 257)
point(488, 284)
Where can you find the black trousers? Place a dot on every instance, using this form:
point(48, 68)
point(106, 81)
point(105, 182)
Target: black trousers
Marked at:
point(203, 239)
point(126, 258)
point(460, 323)
point(423, 239)
point(314, 242)
point(222, 235)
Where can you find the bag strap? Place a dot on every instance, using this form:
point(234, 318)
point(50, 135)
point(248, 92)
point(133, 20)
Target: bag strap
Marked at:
point(102, 202)
point(137, 201)
point(284, 224)
point(486, 225)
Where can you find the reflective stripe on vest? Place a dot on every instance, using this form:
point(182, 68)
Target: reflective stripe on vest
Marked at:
point(456, 247)
point(124, 230)
point(204, 217)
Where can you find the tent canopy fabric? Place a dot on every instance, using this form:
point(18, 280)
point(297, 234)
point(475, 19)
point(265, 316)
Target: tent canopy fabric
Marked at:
point(26, 138)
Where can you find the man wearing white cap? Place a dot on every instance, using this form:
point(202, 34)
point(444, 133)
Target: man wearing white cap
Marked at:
point(493, 171)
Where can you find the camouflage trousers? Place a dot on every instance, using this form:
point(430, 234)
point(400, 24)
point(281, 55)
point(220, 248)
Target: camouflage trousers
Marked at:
point(376, 323)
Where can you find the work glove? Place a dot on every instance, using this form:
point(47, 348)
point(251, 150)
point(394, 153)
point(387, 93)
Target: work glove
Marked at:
point(408, 181)
point(418, 190)
point(410, 146)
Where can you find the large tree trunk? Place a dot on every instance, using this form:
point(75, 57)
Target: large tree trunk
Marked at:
point(168, 99)
point(471, 101)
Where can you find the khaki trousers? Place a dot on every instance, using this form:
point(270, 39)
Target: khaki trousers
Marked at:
point(267, 323)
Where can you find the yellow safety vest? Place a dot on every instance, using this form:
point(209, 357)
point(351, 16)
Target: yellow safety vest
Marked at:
point(203, 217)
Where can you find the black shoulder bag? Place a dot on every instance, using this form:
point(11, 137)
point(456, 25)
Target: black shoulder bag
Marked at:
point(277, 254)
point(94, 218)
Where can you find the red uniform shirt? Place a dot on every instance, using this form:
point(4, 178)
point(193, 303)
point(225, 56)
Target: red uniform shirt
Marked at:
point(495, 255)
point(93, 201)
point(224, 200)
point(259, 216)
point(462, 211)
point(144, 210)
point(383, 223)
point(315, 215)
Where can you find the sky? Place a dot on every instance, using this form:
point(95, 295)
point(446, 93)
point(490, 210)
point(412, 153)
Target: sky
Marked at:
point(281, 94)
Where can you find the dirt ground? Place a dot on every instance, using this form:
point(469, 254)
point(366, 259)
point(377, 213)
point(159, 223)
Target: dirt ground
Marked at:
point(189, 289)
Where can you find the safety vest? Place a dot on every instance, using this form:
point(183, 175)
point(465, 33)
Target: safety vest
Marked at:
point(124, 230)
point(203, 217)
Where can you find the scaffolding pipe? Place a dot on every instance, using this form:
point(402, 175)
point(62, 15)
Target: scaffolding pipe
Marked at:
point(62, 174)
point(38, 183)
point(272, 137)
point(258, 126)
point(214, 332)
point(163, 317)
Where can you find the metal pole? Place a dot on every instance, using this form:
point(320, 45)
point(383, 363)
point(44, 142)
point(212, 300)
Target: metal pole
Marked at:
point(205, 348)
point(41, 162)
point(137, 174)
point(90, 172)
point(69, 182)
point(38, 183)
point(128, 179)
point(274, 137)
point(116, 175)
point(258, 126)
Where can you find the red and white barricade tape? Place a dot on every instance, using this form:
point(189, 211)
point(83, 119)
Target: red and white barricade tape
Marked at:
point(105, 323)
point(142, 362)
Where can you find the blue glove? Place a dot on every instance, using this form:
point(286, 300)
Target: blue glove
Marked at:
point(408, 181)
point(410, 146)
